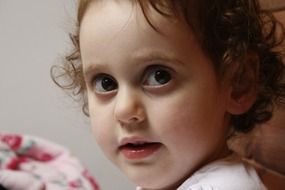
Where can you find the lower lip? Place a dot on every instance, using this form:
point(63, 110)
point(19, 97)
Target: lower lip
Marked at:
point(141, 152)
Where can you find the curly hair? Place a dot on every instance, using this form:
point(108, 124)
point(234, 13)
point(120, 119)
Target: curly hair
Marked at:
point(228, 31)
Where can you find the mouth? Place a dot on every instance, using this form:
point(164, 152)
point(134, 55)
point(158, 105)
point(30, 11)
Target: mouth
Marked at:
point(139, 149)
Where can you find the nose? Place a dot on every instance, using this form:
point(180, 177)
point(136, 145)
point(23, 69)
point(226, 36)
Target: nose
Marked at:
point(129, 107)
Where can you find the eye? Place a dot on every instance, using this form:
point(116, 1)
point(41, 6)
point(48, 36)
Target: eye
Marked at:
point(157, 76)
point(104, 83)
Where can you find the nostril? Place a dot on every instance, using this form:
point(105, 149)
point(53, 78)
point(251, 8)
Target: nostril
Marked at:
point(134, 120)
point(130, 122)
point(131, 114)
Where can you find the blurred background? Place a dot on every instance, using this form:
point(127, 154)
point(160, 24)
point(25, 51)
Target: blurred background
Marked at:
point(33, 37)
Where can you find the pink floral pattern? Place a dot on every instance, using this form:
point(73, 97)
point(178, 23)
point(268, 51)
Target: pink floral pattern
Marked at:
point(12, 140)
point(28, 162)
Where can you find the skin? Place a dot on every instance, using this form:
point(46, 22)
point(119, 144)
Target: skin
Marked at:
point(188, 114)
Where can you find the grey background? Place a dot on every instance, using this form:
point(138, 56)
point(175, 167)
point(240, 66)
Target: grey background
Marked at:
point(33, 37)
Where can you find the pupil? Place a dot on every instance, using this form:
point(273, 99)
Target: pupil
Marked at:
point(162, 77)
point(108, 84)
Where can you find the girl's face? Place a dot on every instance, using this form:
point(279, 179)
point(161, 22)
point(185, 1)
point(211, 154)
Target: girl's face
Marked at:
point(156, 107)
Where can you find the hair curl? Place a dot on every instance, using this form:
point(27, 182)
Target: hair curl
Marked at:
point(228, 31)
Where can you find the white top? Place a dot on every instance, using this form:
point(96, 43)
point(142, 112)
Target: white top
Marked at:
point(227, 174)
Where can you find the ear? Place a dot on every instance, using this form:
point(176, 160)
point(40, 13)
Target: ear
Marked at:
point(243, 88)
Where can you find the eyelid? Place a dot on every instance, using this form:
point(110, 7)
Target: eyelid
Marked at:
point(155, 67)
point(94, 79)
point(99, 75)
point(91, 78)
point(93, 70)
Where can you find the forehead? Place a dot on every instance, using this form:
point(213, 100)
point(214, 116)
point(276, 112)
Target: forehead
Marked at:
point(107, 24)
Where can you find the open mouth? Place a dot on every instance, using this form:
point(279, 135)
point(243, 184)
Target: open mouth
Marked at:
point(139, 150)
point(139, 145)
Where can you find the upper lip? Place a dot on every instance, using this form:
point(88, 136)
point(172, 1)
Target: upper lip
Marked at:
point(134, 140)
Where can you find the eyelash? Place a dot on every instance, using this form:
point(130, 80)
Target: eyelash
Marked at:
point(102, 79)
point(157, 71)
point(154, 76)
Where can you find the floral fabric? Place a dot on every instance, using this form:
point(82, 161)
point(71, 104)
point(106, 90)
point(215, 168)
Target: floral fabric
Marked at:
point(28, 162)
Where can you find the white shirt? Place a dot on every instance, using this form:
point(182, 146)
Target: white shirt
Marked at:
point(227, 174)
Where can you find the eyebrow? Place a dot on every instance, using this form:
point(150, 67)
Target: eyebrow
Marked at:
point(138, 58)
point(92, 67)
point(147, 55)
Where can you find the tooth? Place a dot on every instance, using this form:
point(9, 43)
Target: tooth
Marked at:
point(137, 143)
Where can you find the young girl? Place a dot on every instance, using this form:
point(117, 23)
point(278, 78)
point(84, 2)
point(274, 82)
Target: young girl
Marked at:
point(166, 83)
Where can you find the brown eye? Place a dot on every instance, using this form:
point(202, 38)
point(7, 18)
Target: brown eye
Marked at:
point(104, 83)
point(157, 77)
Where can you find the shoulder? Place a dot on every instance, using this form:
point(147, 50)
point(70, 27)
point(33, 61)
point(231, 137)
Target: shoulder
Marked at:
point(226, 174)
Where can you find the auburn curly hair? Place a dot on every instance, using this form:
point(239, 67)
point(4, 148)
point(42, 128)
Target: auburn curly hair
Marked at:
point(228, 31)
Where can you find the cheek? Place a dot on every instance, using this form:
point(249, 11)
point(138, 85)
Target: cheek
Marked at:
point(99, 116)
point(173, 124)
point(97, 123)
point(188, 138)
point(102, 126)
point(178, 124)
point(180, 115)
point(189, 121)
point(105, 134)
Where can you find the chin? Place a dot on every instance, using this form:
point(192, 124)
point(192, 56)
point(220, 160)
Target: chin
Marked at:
point(153, 182)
